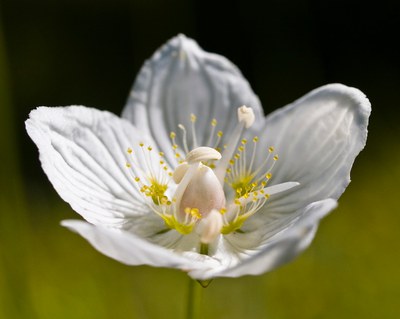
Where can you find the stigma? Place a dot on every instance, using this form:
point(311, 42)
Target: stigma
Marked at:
point(211, 189)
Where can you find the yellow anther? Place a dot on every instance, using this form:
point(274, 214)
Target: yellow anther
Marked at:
point(161, 154)
point(177, 155)
point(244, 141)
point(150, 148)
point(193, 211)
point(174, 147)
point(228, 170)
point(141, 144)
point(271, 149)
point(129, 150)
point(220, 133)
point(165, 168)
point(231, 161)
point(170, 174)
point(276, 157)
point(193, 118)
point(128, 165)
point(266, 196)
point(155, 190)
point(172, 135)
point(241, 148)
point(237, 202)
point(222, 210)
point(237, 156)
point(162, 162)
point(268, 175)
point(137, 179)
point(255, 139)
point(214, 122)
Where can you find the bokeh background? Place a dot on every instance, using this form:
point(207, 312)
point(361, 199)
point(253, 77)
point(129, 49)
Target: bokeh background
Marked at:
point(88, 52)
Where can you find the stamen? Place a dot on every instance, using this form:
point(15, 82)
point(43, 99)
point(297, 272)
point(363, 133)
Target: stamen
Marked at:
point(253, 155)
point(184, 138)
point(268, 191)
point(246, 119)
point(213, 124)
point(219, 136)
point(193, 119)
point(175, 147)
point(227, 154)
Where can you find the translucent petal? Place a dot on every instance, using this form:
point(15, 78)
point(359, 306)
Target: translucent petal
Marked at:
point(317, 138)
point(253, 254)
point(83, 152)
point(128, 248)
point(181, 79)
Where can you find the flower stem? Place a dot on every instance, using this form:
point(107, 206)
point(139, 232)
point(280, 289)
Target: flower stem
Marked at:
point(194, 300)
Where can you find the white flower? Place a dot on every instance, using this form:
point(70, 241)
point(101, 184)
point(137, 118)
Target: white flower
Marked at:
point(189, 177)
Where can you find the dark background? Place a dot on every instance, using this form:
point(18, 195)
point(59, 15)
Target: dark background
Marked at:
point(86, 52)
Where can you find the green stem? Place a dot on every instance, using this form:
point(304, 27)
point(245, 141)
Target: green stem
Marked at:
point(194, 300)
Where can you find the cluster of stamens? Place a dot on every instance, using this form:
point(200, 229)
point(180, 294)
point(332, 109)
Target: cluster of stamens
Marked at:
point(238, 188)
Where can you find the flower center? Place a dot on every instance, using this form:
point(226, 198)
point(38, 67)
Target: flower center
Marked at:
point(215, 188)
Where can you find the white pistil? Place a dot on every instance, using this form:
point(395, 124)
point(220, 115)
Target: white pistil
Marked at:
point(193, 159)
point(191, 170)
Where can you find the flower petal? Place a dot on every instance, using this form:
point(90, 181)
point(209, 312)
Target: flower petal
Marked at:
point(128, 248)
point(83, 152)
point(181, 79)
point(280, 249)
point(317, 139)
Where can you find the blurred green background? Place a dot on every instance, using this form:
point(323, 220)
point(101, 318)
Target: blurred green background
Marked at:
point(88, 52)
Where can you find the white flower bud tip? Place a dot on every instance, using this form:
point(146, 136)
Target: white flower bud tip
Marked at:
point(210, 227)
point(246, 116)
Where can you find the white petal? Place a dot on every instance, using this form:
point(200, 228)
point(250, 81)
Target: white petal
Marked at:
point(128, 248)
point(317, 139)
point(83, 152)
point(181, 79)
point(282, 248)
